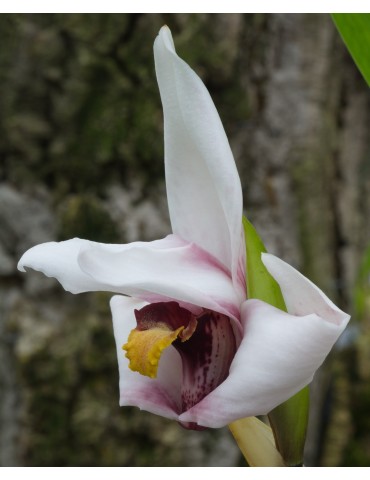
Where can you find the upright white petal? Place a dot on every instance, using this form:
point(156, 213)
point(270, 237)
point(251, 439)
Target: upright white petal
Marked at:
point(203, 186)
point(278, 356)
point(161, 395)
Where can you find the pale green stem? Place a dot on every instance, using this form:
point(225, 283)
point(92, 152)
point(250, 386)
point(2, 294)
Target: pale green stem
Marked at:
point(256, 442)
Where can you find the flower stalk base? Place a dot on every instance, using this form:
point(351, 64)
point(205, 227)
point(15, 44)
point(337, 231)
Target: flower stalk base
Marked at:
point(256, 442)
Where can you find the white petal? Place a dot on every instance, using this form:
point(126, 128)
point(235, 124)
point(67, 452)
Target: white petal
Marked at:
point(161, 395)
point(163, 270)
point(183, 273)
point(203, 186)
point(278, 356)
point(59, 260)
point(302, 297)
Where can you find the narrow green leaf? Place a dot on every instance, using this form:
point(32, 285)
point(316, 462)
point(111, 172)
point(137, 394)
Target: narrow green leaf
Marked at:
point(354, 29)
point(362, 287)
point(289, 424)
point(289, 420)
point(260, 284)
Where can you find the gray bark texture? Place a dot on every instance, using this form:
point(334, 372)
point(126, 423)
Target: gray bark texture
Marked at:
point(81, 154)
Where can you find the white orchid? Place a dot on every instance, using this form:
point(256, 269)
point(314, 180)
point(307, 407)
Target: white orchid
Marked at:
point(197, 349)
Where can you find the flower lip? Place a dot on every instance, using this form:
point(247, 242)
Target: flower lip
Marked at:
point(206, 357)
point(144, 347)
point(206, 344)
point(158, 326)
point(167, 314)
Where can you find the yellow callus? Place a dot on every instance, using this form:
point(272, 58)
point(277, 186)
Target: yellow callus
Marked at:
point(144, 348)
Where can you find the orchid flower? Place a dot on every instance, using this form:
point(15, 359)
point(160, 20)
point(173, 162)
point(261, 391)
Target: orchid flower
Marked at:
point(191, 346)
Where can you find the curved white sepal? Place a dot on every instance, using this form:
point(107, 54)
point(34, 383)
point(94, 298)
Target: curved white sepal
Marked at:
point(203, 185)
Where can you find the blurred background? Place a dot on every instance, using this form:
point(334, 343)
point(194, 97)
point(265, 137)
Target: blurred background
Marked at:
point(81, 154)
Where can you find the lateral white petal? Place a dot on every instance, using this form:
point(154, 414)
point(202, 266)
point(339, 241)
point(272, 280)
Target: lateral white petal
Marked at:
point(179, 271)
point(203, 186)
point(161, 395)
point(278, 356)
point(302, 297)
point(59, 260)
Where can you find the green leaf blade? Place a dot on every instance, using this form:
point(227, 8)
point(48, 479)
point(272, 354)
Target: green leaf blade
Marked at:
point(289, 420)
point(260, 284)
point(354, 29)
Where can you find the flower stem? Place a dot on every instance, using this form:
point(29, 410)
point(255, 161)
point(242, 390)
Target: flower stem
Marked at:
point(256, 442)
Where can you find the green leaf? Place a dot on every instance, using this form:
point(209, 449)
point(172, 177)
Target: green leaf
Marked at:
point(260, 284)
point(354, 29)
point(289, 424)
point(289, 420)
point(362, 287)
